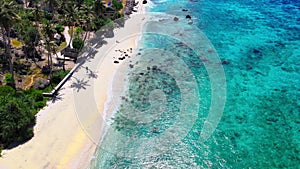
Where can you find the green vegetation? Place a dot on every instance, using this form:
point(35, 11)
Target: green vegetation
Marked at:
point(59, 28)
point(18, 110)
point(8, 78)
point(77, 43)
point(117, 5)
point(78, 31)
point(29, 33)
point(58, 76)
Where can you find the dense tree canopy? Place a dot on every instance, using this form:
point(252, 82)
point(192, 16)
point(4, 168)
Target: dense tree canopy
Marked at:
point(33, 23)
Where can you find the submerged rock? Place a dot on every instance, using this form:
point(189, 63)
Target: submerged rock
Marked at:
point(176, 19)
point(188, 17)
point(144, 1)
point(225, 62)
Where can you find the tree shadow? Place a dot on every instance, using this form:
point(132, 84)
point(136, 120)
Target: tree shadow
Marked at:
point(79, 84)
point(92, 74)
point(57, 97)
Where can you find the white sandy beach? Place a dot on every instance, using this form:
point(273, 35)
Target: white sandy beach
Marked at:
point(62, 135)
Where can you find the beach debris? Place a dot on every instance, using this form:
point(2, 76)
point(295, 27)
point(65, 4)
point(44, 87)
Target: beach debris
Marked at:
point(122, 58)
point(176, 19)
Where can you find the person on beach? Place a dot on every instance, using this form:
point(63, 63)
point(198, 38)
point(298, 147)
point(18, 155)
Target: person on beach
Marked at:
point(87, 69)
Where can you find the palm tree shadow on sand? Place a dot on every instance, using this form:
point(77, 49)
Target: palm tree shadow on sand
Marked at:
point(80, 84)
point(57, 97)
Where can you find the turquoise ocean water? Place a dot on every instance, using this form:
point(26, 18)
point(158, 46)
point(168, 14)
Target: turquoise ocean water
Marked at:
point(260, 124)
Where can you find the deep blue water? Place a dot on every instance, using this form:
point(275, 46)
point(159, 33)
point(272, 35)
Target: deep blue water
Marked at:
point(260, 125)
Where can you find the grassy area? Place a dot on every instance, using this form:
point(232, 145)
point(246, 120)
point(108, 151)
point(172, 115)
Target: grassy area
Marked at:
point(61, 47)
point(16, 43)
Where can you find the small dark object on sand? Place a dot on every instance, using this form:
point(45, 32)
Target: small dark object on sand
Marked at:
point(144, 1)
point(225, 62)
point(188, 17)
point(122, 58)
point(175, 18)
point(116, 61)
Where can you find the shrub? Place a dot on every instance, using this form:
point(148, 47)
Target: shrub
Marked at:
point(36, 95)
point(78, 30)
point(100, 22)
point(15, 119)
point(59, 28)
point(6, 90)
point(58, 76)
point(77, 43)
point(48, 16)
point(8, 78)
point(117, 5)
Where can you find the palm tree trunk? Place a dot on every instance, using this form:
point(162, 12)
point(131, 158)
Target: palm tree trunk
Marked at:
point(4, 40)
point(10, 61)
point(84, 39)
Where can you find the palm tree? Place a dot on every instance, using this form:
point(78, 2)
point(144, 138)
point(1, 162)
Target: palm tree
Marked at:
point(87, 16)
point(47, 32)
point(70, 15)
point(8, 17)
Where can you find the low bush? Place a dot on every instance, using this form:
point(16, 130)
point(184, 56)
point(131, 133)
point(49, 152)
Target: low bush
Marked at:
point(58, 76)
point(59, 28)
point(77, 43)
point(8, 78)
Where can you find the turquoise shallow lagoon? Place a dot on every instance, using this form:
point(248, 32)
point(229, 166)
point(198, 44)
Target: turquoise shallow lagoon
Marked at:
point(260, 125)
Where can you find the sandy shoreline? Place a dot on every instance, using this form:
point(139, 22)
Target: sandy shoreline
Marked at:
point(63, 137)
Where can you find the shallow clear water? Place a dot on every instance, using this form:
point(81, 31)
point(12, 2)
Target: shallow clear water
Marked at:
point(159, 121)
